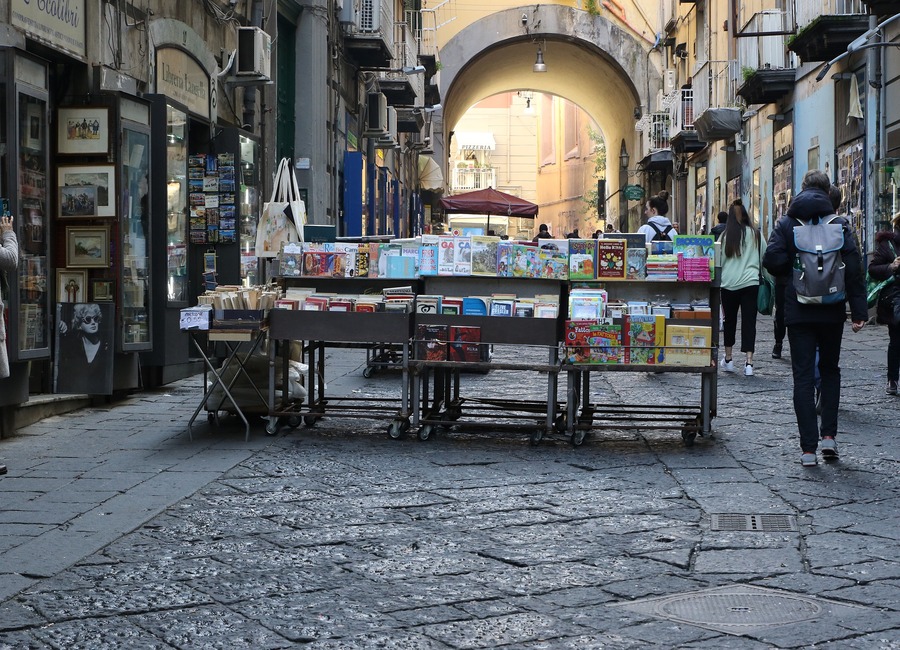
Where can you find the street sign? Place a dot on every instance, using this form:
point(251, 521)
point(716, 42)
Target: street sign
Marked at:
point(634, 192)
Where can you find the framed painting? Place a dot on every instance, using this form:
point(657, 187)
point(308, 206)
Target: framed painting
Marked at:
point(78, 201)
point(102, 290)
point(71, 285)
point(83, 130)
point(87, 246)
point(102, 177)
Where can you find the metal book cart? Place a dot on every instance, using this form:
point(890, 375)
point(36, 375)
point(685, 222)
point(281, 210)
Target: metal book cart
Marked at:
point(438, 399)
point(320, 330)
point(241, 340)
point(583, 415)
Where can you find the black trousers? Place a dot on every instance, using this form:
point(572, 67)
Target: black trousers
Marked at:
point(805, 338)
point(893, 352)
point(745, 301)
point(779, 313)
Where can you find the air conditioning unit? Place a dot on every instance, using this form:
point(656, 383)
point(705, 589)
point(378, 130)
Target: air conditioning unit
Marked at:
point(668, 80)
point(389, 139)
point(254, 53)
point(362, 15)
point(377, 114)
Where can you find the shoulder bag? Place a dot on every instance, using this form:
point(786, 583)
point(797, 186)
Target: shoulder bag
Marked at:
point(283, 215)
point(765, 299)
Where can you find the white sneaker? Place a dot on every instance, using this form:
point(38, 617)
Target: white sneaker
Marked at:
point(748, 370)
point(727, 366)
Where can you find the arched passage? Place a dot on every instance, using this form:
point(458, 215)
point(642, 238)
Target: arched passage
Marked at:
point(591, 61)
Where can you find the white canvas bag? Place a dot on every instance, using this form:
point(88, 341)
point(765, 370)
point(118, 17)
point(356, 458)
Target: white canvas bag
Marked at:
point(283, 215)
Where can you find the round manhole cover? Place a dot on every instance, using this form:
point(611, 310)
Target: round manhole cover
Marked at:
point(737, 609)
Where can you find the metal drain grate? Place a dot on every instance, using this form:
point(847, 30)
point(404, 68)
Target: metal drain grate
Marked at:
point(741, 609)
point(758, 523)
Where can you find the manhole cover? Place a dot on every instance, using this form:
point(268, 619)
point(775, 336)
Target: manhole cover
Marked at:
point(739, 609)
point(760, 523)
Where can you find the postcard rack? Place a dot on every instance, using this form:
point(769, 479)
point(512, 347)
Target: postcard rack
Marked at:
point(320, 330)
point(583, 415)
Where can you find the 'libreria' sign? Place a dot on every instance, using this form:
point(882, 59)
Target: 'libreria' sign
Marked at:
point(180, 77)
point(60, 23)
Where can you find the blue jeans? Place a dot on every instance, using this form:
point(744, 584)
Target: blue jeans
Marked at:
point(806, 340)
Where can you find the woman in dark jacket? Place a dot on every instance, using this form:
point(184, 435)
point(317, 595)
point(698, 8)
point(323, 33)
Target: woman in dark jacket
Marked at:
point(885, 262)
point(816, 326)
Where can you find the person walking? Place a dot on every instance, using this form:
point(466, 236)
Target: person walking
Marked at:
point(719, 228)
point(743, 247)
point(884, 264)
point(9, 261)
point(543, 232)
point(816, 326)
point(658, 224)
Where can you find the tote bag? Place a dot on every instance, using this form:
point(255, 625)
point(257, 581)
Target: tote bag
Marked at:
point(765, 299)
point(283, 215)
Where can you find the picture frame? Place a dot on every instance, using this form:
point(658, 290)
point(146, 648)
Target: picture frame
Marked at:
point(78, 201)
point(34, 127)
point(103, 177)
point(103, 290)
point(71, 285)
point(87, 246)
point(83, 130)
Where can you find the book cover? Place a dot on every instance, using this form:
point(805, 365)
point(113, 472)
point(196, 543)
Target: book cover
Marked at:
point(694, 245)
point(632, 239)
point(427, 304)
point(451, 305)
point(319, 264)
point(431, 342)
point(582, 259)
point(340, 305)
point(605, 341)
point(373, 259)
point(401, 266)
point(662, 248)
point(644, 338)
point(462, 256)
point(315, 303)
point(502, 307)
point(475, 306)
point(386, 251)
point(524, 308)
point(446, 255)
point(428, 256)
point(636, 263)
point(525, 261)
point(688, 345)
point(610, 259)
point(553, 259)
point(484, 255)
point(369, 307)
point(465, 344)
point(349, 252)
point(505, 258)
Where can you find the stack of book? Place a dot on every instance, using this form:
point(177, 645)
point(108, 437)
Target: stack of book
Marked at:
point(662, 267)
point(693, 269)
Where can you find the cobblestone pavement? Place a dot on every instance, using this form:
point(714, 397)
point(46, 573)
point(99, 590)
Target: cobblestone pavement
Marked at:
point(118, 531)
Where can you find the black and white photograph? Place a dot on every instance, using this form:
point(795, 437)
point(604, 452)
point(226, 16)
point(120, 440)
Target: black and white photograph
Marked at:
point(84, 348)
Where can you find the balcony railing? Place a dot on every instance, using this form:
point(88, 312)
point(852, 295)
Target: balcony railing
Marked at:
point(681, 112)
point(656, 135)
point(768, 49)
point(809, 10)
point(465, 179)
point(406, 54)
point(425, 24)
point(715, 85)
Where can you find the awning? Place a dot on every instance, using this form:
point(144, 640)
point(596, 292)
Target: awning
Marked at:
point(475, 140)
point(430, 175)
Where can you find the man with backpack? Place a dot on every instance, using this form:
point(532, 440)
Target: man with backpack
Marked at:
point(658, 226)
point(817, 254)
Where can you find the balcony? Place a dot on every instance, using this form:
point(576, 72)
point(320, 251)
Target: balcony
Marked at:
point(368, 32)
point(717, 112)
point(425, 24)
point(765, 62)
point(465, 179)
point(400, 88)
point(882, 8)
point(682, 134)
point(825, 31)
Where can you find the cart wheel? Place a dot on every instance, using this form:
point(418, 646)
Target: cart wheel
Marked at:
point(310, 420)
point(272, 427)
point(404, 425)
point(426, 431)
point(294, 421)
point(368, 372)
point(211, 417)
point(578, 437)
point(688, 437)
point(536, 436)
point(395, 430)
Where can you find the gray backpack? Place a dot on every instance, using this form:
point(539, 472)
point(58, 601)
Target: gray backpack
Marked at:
point(819, 267)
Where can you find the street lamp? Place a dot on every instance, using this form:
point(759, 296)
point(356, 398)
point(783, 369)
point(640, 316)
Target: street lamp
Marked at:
point(859, 43)
point(624, 159)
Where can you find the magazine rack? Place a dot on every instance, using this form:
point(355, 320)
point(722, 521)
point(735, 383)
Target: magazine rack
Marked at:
point(583, 415)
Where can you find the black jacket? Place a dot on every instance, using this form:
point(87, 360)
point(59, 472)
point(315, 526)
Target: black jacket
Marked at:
point(717, 230)
point(781, 252)
point(887, 247)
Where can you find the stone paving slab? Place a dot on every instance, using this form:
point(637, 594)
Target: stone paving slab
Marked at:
point(118, 531)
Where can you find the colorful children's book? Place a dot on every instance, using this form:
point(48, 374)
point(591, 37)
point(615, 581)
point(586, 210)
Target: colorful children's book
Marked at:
point(504, 258)
point(553, 257)
point(525, 261)
point(694, 245)
point(582, 259)
point(611, 259)
point(688, 345)
point(644, 337)
point(636, 263)
point(484, 255)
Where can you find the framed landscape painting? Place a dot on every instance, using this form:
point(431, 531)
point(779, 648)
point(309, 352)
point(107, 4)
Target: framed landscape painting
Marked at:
point(87, 247)
point(101, 177)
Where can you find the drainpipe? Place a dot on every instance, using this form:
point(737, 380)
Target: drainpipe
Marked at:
point(873, 132)
point(250, 93)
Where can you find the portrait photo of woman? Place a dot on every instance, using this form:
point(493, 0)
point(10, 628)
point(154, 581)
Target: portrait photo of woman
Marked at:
point(84, 348)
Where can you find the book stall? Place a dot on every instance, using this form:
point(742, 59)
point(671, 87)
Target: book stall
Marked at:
point(584, 305)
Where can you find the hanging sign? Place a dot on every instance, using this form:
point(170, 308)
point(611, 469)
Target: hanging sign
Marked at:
point(634, 192)
point(60, 23)
point(179, 76)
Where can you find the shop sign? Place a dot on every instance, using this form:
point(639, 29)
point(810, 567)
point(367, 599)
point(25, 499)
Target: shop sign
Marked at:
point(60, 23)
point(634, 192)
point(181, 78)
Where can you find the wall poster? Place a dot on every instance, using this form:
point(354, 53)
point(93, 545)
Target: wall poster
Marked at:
point(849, 176)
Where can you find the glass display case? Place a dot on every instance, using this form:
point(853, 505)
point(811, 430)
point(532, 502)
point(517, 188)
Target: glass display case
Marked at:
point(887, 192)
point(249, 209)
point(176, 205)
point(135, 226)
point(24, 160)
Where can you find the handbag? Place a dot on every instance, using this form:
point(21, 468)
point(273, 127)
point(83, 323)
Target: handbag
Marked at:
point(283, 215)
point(765, 298)
point(874, 287)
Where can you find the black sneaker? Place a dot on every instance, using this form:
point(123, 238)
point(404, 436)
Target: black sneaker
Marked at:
point(891, 388)
point(776, 351)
